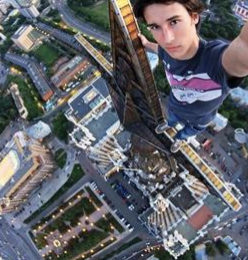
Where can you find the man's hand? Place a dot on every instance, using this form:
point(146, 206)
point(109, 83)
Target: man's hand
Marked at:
point(147, 44)
point(235, 57)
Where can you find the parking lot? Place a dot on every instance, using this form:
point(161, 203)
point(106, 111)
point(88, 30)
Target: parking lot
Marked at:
point(130, 194)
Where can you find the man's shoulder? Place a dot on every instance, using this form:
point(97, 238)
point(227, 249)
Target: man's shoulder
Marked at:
point(215, 45)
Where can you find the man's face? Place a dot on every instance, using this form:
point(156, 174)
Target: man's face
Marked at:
point(173, 28)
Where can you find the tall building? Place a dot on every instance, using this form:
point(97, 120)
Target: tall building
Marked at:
point(97, 127)
point(26, 7)
point(25, 163)
point(163, 178)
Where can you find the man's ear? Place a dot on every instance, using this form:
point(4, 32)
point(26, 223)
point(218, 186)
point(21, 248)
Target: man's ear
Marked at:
point(195, 18)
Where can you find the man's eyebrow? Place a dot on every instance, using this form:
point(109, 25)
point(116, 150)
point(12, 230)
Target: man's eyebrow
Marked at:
point(167, 20)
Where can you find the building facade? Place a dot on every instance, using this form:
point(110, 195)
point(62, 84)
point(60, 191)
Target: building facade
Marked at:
point(25, 163)
point(97, 128)
point(18, 101)
point(69, 70)
point(241, 9)
point(26, 37)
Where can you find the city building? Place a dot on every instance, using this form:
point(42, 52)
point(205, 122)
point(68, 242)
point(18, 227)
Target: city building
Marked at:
point(30, 12)
point(68, 71)
point(240, 96)
point(241, 9)
point(26, 37)
point(97, 128)
point(18, 101)
point(4, 7)
point(182, 206)
point(26, 7)
point(184, 192)
point(2, 38)
point(39, 130)
point(219, 122)
point(25, 163)
point(35, 72)
point(21, 3)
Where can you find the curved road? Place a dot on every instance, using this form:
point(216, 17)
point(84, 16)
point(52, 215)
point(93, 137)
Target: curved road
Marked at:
point(68, 17)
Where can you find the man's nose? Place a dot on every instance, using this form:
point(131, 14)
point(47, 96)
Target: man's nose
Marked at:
point(168, 35)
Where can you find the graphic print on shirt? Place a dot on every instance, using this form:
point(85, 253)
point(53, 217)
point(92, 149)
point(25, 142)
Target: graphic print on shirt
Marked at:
point(193, 87)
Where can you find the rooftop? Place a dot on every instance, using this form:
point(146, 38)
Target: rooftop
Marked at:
point(201, 217)
point(16, 162)
point(183, 199)
point(98, 127)
point(88, 98)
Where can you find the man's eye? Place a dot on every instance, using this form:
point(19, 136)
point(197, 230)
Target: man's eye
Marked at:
point(173, 22)
point(153, 27)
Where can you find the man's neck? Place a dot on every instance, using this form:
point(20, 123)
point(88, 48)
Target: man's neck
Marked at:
point(193, 48)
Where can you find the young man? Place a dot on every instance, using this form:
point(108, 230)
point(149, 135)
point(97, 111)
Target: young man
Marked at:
point(199, 72)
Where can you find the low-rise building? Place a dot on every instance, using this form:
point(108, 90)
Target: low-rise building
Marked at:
point(68, 71)
point(219, 122)
point(24, 164)
point(240, 95)
point(241, 9)
point(26, 37)
point(18, 101)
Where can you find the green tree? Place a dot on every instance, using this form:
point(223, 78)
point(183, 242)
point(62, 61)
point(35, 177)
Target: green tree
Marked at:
point(61, 127)
point(210, 249)
point(222, 247)
point(163, 255)
point(160, 79)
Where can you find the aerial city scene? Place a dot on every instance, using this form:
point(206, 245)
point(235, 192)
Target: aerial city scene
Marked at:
point(123, 129)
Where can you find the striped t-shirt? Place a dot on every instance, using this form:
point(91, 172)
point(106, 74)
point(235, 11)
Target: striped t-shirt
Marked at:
point(198, 85)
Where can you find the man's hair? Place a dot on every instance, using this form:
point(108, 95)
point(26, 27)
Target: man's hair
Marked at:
point(192, 6)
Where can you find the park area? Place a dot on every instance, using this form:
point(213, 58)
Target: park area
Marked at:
point(76, 229)
point(46, 54)
point(96, 13)
point(29, 95)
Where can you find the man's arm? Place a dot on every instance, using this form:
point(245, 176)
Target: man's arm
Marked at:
point(147, 44)
point(235, 57)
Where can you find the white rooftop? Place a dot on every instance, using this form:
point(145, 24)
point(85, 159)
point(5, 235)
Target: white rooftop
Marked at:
point(240, 94)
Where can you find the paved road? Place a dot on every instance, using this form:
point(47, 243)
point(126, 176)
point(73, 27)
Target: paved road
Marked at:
point(69, 18)
point(231, 224)
point(13, 246)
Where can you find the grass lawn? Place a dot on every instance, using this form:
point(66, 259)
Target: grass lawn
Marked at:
point(47, 54)
point(76, 174)
point(104, 225)
point(60, 158)
point(114, 222)
point(94, 197)
point(30, 97)
point(97, 14)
